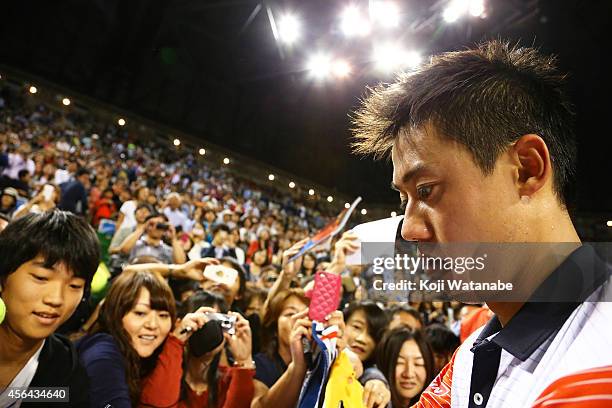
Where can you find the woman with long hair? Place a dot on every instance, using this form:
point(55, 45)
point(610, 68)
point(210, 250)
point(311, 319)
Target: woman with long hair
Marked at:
point(405, 358)
point(132, 351)
point(275, 356)
point(208, 380)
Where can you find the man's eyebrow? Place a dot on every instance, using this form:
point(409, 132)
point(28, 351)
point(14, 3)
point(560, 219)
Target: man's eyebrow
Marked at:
point(409, 175)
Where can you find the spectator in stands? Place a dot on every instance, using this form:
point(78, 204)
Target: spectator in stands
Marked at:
point(175, 213)
point(269, 275)
point(232, 292)
point(74, 193)
point(259, 262)
point(208, 380)
point(277, 324)
point(103, 208)
point(219, 247)
point(146, 240)
point(22, 184)
point(48, 262)
point(309, 264)
point(133, 354)
point(143, 211)
point(404, 315)
point(264, 241)
point(46, 199)
point(127, 212)
point(233, 243)
point(209, 223)
point(199, 241)
point(365, 325)
point(407, 362)
point(8, 201)
point(443, 343)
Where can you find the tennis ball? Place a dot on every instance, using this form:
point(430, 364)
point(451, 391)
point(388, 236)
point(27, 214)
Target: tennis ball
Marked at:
point(2, 310)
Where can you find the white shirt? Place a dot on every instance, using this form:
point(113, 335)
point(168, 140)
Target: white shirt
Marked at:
point(21, 380)
point(128, 209)
point(582, 341)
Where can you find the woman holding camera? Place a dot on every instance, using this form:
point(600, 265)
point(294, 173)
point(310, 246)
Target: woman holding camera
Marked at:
point(209, 379)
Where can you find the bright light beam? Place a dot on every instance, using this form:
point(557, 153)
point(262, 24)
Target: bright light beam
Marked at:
point(353, 24)
point(289, 29)
point(319, 66)
point(385, 13)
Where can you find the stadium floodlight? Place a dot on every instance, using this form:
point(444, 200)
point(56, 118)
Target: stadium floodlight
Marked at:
point(319, 65)
point(457, 8)
point(476, 8)
point(609, 223)
point(226, 161)
point(384, 13)
point(289, 29)
point(311, 192)
point(66, 101)
point(347, 205)
point(291, 184)
point(353, 23)
point(364, 211)
point(393, 214)
point(391, 57)
point(202, 151)
point(121, 122)
point(341, 68)
point(33, 89)
point(330, 199)
point(176, 142)
point(454, 10)
point(271, 177)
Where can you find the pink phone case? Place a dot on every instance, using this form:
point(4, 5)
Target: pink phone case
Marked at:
point(325, 295)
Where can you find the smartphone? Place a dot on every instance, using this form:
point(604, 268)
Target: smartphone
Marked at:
point(228, 322)
point(221, 274)
point(48, 191)
point(325, 296)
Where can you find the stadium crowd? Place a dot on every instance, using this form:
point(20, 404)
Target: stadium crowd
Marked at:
point(132, 274)
point(144, 336)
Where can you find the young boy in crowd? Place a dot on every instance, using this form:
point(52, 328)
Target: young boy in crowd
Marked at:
point(48, 261)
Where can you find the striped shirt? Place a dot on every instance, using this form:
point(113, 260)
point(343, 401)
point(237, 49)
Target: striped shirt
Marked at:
point(513, 365)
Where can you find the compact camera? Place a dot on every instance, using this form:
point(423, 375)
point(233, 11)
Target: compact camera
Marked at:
point(227, 322)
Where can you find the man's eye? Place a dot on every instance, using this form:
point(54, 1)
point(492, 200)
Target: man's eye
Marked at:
point(424, 191)
point(40, 278)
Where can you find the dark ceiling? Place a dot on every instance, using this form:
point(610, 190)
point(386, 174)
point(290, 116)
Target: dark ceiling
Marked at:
point(213, 68)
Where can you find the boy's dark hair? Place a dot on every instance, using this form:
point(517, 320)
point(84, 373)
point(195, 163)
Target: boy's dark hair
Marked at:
point(147, 206)
point(485, 98)
point(220, 227)
point(441, 338)
point(22, 172)
point(59, 236)
point(399, 308)
point(82, 171)
point(156, 215)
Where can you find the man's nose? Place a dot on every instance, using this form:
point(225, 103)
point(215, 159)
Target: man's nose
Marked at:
point(414, 227)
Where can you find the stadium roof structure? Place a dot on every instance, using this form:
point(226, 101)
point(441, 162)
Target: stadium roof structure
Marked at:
point(220, 70)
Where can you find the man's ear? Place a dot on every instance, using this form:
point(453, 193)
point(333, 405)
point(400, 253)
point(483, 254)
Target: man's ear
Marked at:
point(534, 165)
